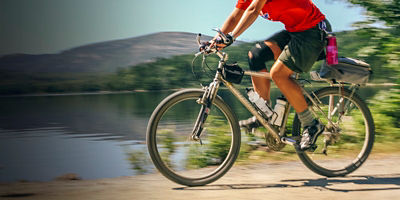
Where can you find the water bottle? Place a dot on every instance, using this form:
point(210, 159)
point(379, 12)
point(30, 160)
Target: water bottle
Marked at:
point(259, 102)
point(331, 50)
point(279, 109)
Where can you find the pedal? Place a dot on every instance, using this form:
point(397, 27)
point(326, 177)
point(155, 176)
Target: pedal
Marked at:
point(289, 141)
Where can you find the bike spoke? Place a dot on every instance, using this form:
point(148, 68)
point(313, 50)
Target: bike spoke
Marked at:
point(347, 142)
point(187, 160)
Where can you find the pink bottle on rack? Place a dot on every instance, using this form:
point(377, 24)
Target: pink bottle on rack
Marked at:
point(331, 50)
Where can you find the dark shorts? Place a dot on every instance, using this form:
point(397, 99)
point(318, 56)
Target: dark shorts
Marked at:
point(301, 49)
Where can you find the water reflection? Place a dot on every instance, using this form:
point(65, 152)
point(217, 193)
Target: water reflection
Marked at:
point(44, 154)
point(122, 115)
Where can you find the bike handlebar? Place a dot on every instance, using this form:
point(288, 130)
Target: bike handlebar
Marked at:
point(210, 49)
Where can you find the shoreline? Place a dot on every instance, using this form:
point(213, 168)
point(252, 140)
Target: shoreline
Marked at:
point(82, 93)
point(143, 91)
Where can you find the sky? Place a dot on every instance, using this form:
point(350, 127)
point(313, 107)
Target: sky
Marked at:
point(51, 26)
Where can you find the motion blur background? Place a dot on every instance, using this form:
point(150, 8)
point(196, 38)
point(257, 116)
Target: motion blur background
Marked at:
point(80, 78)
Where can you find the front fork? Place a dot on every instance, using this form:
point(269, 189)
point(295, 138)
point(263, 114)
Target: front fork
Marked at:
point(207, 99)
point(206, 102)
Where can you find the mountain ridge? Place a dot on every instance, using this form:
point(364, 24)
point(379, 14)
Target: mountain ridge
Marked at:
point(105, 56)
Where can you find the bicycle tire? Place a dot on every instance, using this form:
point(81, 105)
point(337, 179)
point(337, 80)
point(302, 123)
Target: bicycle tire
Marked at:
point(154, 130)
point(349, 159)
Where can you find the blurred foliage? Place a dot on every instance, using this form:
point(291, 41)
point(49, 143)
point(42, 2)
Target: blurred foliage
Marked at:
point(385, 107)
point(382, 49)
point(386, 11)
point(217, 141)
point(382, 29)
point(176, 72)
point(383, 46)
point(168, 144)
point(139, 161)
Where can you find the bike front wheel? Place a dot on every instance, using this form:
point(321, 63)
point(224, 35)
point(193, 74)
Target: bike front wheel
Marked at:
point(173, 151)
point(344, 147)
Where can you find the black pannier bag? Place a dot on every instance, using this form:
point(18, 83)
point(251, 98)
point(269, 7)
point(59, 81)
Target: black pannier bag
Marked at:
point(232, 73)
point(348, 70)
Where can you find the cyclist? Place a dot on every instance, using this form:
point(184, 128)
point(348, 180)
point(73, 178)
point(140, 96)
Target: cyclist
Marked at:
point(294, 50)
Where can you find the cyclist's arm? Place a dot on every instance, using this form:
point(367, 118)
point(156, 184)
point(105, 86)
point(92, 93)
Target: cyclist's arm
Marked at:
point(249, 16)
point(231, 22)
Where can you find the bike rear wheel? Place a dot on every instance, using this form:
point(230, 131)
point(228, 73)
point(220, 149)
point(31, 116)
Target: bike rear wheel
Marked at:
point(339, 152)
point(176, 155)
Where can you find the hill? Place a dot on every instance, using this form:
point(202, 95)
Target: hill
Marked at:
point(105, 56)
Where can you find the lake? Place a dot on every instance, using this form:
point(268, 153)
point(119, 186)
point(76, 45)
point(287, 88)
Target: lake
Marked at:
point(92, 135)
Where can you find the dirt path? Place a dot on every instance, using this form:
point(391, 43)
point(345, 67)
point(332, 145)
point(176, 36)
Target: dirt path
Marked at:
point(379, 178)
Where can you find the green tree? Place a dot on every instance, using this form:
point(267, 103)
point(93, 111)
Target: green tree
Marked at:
point(383, 47)
point(384, 43)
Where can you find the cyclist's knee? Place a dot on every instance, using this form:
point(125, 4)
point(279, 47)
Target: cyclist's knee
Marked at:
point(275, 75)
point(254, 61)
point(280, 72)
point(250, 55)
point(258, 55)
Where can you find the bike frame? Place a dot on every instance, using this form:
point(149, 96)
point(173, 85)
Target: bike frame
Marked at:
point(278, 134)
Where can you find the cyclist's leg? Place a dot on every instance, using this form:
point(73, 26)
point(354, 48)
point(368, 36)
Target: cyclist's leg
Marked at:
point(262, 85)
point(298, 56)
point(263, 52)
point(280, 74)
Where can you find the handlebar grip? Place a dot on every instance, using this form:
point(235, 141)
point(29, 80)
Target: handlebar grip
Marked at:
point(198, 39)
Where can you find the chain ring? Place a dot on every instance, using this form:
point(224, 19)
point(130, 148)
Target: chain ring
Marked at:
point(272, 143)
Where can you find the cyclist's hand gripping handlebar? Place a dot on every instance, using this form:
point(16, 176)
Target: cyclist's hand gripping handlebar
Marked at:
point(218, 43)
point(224, 40)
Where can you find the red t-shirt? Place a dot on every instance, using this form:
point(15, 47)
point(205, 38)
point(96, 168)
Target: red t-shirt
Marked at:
point(296, 15)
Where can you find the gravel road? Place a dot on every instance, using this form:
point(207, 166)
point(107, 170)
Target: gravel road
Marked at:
point(378, 178)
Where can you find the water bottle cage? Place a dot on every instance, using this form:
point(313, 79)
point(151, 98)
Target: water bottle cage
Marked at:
point(272, 119)
point(260, 111)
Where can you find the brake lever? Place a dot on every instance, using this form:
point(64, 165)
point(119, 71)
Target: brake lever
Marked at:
point(218, 30)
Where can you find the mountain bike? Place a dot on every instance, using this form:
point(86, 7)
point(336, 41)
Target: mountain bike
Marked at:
point(193, 135)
